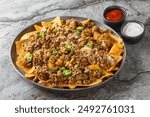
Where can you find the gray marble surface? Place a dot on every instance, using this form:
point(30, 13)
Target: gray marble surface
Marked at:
point(133, 82)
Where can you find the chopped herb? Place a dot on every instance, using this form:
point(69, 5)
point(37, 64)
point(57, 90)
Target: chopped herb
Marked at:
point(80, 28)
point(67, 73)
point(42, 35)
point(55, 51)
point(68, 47)
point(89, 44)
point(77, 33)
point(29, 57)
point(52, 22)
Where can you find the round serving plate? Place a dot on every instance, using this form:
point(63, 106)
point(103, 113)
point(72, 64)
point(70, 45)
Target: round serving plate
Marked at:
point(13, 56)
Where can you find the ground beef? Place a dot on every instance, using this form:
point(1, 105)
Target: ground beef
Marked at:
point(68, 47)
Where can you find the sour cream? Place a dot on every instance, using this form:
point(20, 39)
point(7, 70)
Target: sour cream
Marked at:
point(133, 29)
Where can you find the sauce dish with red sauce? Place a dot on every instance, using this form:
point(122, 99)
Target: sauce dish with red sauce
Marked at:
point(114, 16)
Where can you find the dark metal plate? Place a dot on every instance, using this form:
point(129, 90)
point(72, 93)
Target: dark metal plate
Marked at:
point(13, 56)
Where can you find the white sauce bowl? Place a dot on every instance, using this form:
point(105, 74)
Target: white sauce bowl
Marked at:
point(132, 31)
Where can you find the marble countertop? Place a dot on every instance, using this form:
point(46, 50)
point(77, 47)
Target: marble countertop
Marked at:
point(133, 82)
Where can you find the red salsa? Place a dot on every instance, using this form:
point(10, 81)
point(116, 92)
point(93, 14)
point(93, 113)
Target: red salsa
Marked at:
point(114, 15)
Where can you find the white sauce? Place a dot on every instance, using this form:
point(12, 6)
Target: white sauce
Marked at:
point(133, 29)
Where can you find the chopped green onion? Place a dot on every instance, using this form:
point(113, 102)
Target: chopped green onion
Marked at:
point(52, 22)
point(78, 33)
point(42, 35)
point(89, 44)
point(67, 73)
point(29, 57)
point(68, 47)
point(80, 28)
point(54, 30)
point(54, 51)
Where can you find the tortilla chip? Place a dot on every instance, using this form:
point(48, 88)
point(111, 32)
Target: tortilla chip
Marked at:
point(114, 68)
point(57, 21)
point(85, 21)
point(37, 27)
point(50, 65)
point(62, 22)
point(46, 24)
point(100, 79)
point(18, 46)
point(94, 67)
point(22, 67)
point(96, 35)
point(27, 35)
point(116, 38)
point(116, 49)
point(29, 75)
point(105, 37)
point(20, 63)
point(45, 83)
point(107, 74)
point(72, 86)
point(118, 59)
